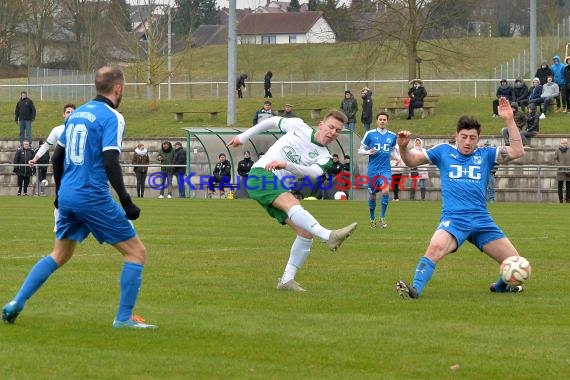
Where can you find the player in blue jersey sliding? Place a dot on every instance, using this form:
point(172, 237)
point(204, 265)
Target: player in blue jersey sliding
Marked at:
point(464, 170)
point(84, 161)
point(380, 146)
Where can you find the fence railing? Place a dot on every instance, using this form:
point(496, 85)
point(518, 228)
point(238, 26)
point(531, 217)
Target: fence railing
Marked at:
point(77, 92)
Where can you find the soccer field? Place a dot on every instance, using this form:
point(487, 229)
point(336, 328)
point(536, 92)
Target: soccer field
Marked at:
point(209, 283)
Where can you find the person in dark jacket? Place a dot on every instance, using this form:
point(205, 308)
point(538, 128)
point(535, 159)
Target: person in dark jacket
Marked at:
point(366, 117)
point(239, 84)
point(417, 93)
point(179, 171)
point(23, 170)
point(543, 72)
point(264, 113)
point(349, 106)
point(503, 91)
point(24, 115)
point(165, 157)
point(520, 93)
point(222, 175)
point(566, 74)
point(288, 111)
point(267, 84)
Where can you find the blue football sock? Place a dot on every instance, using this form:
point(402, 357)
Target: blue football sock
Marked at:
point(424, 271)
point(500, 285)
point(130, 282)
point(37, 276)
point(372, 207)
point(385, 201)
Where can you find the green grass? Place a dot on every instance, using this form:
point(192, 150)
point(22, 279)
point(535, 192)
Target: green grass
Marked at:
point(209, 284)
point(161, 124)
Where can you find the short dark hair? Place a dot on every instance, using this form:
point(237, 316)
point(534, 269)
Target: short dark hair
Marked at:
point(69, 105)
point(336, 114)
point(106, 78)
point(468, 122)
point(383, 113)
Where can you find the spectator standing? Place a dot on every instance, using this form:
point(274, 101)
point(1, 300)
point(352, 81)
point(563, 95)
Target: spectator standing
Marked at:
point(367, 108)
point(419, 175)
point(267, 84)
point(349, 106)
point(24, 115)
point(549, 92)
point(503, 91)
point(179, 171)
point(288, 112)
point(543, 72)
point(240, 83)
point(140, 161)
point(264, 113)
point(416, 93)
point(24, 171)
point(520, 93)
point(165, 157)
point(562, 159)
point(557, 69)
point(566, 92)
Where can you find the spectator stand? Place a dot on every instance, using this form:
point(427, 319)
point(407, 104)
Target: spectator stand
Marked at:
point(205, 144)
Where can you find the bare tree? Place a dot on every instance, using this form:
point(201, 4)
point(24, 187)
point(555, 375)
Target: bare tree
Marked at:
point(38, 16)
point(408, 26)
point(10, 16)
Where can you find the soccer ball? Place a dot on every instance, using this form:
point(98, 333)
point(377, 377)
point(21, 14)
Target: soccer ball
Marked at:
point(515, 270)
point(340, 196)
point(45, 182)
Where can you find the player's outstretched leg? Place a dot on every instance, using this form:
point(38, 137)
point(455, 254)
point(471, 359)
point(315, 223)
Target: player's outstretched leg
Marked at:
point(299, 252)
point(501, 287)
point(337, 237)
point(406, 291)
point(35, 279)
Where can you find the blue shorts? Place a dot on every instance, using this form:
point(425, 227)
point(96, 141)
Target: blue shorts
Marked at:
point(377, 182)
point(108, 224)
point(478, 228)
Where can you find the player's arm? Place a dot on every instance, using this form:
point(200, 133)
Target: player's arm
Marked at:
point(312, 171)
point(115, 176)
point(264, 125)
point(515, 149)
point(363, 150)
point(411, 158)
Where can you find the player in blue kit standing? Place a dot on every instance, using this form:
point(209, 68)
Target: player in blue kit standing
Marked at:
point(465, 169)
point(85, 160)
point(380, 145)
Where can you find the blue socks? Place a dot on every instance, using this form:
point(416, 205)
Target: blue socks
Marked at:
point(500, 285)
point(130, 282)
point(424, 271)
point(372, 207)
point(385, 201)
point(37, 276)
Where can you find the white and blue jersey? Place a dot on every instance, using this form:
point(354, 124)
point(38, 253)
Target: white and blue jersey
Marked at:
point(89, 131)
point(463, 187)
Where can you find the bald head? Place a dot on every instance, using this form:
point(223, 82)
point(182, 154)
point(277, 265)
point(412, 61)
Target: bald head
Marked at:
point(109, 82)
